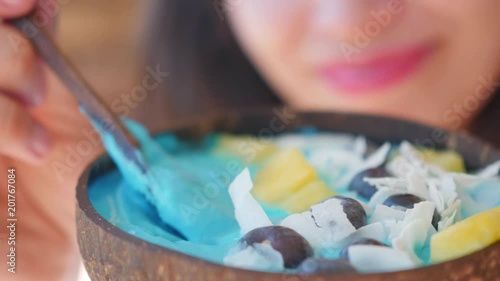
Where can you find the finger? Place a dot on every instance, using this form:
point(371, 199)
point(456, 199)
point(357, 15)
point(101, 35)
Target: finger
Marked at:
point(20, 72)
point(15, 8)
point(21, 137)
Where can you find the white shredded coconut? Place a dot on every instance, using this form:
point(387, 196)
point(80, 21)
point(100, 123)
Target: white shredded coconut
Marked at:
point(247, 210)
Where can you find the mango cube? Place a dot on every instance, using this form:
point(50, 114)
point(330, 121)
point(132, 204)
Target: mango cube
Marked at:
point(467, 236)
point(448, 160)
point(282, 176)
point(309, 195)
point(248, 148)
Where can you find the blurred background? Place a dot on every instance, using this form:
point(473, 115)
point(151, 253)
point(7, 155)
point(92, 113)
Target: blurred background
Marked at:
point(104, 41)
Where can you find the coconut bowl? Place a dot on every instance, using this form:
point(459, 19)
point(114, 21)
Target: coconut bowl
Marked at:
point(112, 254)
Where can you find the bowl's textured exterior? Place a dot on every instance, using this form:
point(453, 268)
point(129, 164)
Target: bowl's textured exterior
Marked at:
point(111, 254)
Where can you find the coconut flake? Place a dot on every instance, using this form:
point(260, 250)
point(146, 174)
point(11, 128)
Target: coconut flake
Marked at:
point(259, 256)
point(414, 158)
point(412, 233)
point(446, 221)
point(466, 180)
point(369, 258)
point(399, 167)
point(383, 212)
point(393, 228)
point(359, 146)
point(412, 236)
point(417, 185)
point(448, 188)
point(374, 160)
point(388, 182)
point(304, 225)
point(333, 163)
point(365, 206)
point(373, 231)
point(380, 196)
point(422, 210)
point(323, 226)
point(247, 211)
point(377, 158)
point(490, 171)
point(451, 208)
point(436, 197)
point(330, 215)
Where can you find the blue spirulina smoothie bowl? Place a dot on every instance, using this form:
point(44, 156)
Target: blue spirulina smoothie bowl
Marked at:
point(122, 236)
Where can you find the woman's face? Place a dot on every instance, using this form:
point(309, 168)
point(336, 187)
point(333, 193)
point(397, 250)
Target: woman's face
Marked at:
point(432, 61)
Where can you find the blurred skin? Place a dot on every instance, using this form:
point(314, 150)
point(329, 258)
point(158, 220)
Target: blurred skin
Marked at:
point(39, 121)
point(418, 60)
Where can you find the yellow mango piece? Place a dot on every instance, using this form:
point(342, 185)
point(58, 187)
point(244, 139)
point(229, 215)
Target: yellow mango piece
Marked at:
point(248, 148)
point(467, 236)
point(309, 195)
point(284, 174)
point(448, 160)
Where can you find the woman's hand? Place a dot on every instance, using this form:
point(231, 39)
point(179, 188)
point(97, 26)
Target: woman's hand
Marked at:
point(46, 140)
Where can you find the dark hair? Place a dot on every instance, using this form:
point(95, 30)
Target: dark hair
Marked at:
point(210, 72)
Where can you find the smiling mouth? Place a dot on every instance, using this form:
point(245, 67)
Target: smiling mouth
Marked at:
point(376, 72)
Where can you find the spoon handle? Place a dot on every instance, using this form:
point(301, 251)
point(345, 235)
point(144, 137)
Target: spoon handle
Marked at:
point(91, 104)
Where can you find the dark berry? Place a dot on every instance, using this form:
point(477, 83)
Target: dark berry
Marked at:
point(407, 201)
point(344, 254)
point(353, 209)
point(293, 247)
point(320, 265)
point(364, 189)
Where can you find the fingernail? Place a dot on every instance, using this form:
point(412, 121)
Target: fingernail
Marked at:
point(40, 141)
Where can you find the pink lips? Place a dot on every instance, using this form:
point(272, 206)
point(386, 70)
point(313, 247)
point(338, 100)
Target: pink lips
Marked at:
point(359, 78)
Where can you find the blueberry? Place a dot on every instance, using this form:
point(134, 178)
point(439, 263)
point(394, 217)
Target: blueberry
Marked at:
point(293, 247)
point(321, 265)
point(364, 189)
point(354, 210)
point(344, 254)
point(407, 201)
